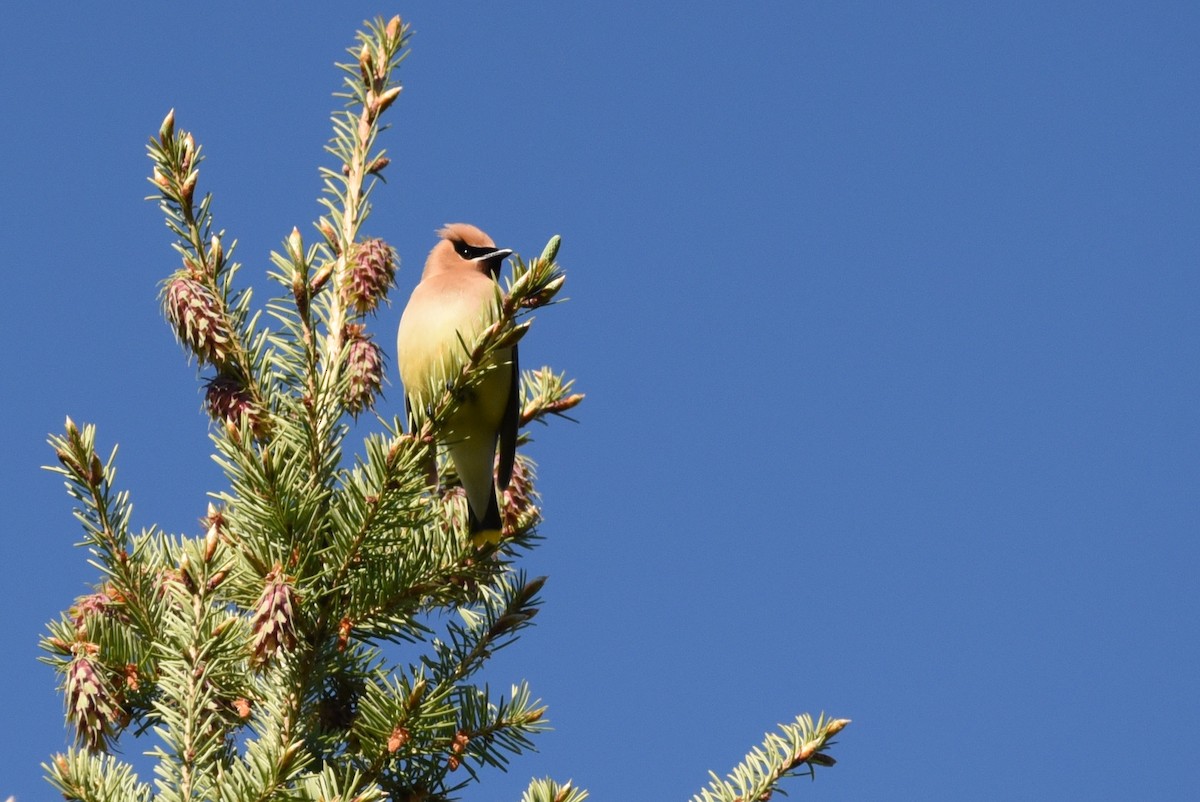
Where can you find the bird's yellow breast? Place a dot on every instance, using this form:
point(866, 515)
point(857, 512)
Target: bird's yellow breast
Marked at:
point(439, 325)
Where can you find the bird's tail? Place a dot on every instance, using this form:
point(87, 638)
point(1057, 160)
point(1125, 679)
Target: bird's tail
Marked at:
point(486, 530)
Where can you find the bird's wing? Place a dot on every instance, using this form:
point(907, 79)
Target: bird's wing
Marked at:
point(509, 425)
point(408, 410)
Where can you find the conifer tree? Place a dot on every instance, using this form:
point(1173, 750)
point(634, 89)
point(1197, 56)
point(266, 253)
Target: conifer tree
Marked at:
point(249, 655)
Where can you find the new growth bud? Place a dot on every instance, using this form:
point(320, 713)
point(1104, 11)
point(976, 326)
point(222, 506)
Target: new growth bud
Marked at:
point(295, 246)
point(836, 726)
point(213, 532)
point(167, 129)
point(188, 155)
point(331, 239)
point(160, 180)
point(550, 252)
point(393, 29)
point(321, 278)
point(397, 739)
point(377, 166)
point(216, 253)
point(386, 99)
point(365, 64)
point(545, 294)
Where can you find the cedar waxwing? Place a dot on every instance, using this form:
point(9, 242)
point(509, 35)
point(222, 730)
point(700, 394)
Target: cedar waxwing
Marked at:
point(454, 301)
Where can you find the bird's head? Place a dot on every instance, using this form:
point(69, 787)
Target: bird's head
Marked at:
point(464, 247)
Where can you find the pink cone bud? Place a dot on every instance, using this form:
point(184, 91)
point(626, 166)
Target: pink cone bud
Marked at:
point(364, 368)
point(274, 622)
point(371, 273)
point(91, 704)
point(196, 315)
point(228, 400)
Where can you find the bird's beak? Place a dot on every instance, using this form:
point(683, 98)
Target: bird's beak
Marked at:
point(492, 260)
point(499, 254)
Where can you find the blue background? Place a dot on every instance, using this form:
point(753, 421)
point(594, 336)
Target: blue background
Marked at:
point(886, 314)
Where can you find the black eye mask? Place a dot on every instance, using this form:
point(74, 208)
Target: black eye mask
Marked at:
point(471, 252)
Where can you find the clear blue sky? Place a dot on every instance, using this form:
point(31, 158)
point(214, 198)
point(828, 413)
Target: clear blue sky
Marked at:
point(886, 313)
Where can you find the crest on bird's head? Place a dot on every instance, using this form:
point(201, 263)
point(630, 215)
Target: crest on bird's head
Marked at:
point(466, 234)
point(464, 243)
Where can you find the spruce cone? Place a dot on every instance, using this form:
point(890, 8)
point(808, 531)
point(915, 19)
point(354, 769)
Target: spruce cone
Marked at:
point(365, 369)
point(519, 510)
point(372, 272)
point(104, 602)
point(229, 401)
point(195, 313)
point(90, 702)
point(274, 623)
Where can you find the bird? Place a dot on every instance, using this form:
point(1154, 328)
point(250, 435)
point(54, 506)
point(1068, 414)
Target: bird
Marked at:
point(456, 298)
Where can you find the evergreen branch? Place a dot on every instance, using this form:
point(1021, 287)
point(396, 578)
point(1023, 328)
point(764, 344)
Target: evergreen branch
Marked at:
point(544, 393)
point(547, 790)
point(201, 671)
point(276, 508)
point(378, 497)
point(488, 731)
point(273, 761)
point(402, 724)
point(530, 286)
point(536, 284)
point(505, 608)
point(371, 89)
point(209, 317)
point(85, 777)
point(105, 514)
point(794, 751)
point(298, 358)
point(333, 784)
point(420, 577)
point(473, 733)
